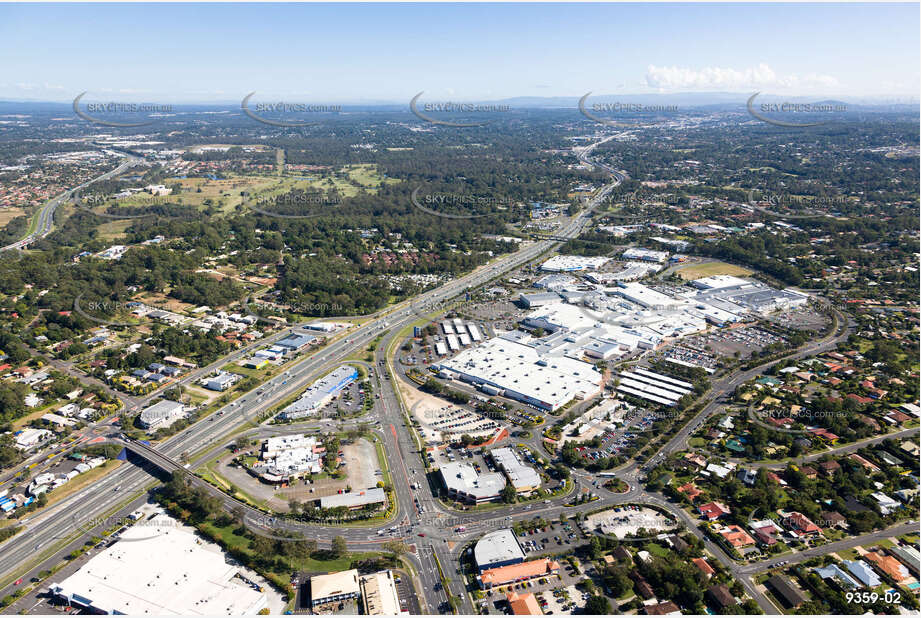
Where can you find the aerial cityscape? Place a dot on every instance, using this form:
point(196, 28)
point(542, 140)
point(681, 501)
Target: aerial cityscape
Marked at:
point(460, 309)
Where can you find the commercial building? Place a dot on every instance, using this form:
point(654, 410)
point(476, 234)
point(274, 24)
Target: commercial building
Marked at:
point(523, 478)
point(29, 438)
point(379, 594)
point(160, 568)
point(517, 572)
point(355, 499)
point(572, 263)
point(645, 255)
point(539, 299)
point(520, 372)
point(524, 604)
point(334, 587)
point(162, 414)
point(296, 341)
point(555, 282)
point(497, 549)
point(220, 382)
point(653, 386)
point(284, 457)
point(321, 392)
point(463, 483)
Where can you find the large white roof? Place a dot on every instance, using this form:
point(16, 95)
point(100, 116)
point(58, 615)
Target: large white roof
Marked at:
point(496, 547)
point(522, 369)
point(162, 568)
point(464, 478)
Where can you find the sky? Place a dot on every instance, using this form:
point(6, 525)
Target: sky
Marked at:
point(369, 53)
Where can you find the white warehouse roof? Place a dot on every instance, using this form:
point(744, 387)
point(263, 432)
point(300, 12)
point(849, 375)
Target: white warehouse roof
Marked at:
point(521, 369)
point(162, 570)
point(497, 547)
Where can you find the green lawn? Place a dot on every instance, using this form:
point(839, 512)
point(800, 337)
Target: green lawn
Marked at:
point(657, 550)
point(232, 540)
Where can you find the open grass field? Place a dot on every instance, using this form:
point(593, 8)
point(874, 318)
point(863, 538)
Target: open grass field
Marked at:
point(709, 269)
point(114, 230)
point(224, 194)
point(8, 214)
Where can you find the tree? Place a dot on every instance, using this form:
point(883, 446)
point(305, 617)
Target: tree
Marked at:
point(339, 547)
point(509, 494)
point(241, 443)
point(303, 548)
point(397, 548)
point(598, 605)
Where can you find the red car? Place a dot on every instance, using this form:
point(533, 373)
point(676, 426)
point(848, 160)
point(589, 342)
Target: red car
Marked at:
point(17, 582)
point(421, 534)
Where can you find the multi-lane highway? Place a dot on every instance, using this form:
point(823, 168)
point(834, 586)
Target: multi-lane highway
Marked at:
point(45, 216)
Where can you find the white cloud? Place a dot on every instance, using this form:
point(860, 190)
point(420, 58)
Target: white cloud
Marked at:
point(730, 79)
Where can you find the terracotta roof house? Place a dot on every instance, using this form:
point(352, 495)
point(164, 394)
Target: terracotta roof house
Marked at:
point(737, 537)
point(888, 565)
point(713, 510)
point(690, 490)
point(868, 465)
point(704, 566)
point(765, 535)
point(803, 524)
point(809, 472)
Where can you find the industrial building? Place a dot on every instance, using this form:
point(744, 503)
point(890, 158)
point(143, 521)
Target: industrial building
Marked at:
point(162, 414)
point(321, 392)
point(464, 483)
point(497, 549)
point(520, 372)
point(334, 587)
point(354, 499)
point(523, 478)
point(160, 568)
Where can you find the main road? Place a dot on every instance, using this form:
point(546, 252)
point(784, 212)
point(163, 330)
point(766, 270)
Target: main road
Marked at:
point(45, 216)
